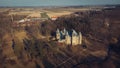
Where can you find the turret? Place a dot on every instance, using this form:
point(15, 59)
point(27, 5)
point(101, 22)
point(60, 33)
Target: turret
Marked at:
point(74, 38)
point(64, 32)
point(68, 39)
point(80, 38)
point(74, 33)
point(58, 34)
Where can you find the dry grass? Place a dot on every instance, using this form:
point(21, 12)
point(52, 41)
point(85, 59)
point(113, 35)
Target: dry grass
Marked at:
point(20, 35)
point(35, 14)
point(7, 49)
point(58, 14)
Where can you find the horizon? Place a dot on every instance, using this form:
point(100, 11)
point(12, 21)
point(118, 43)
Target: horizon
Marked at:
point(47, 3)
point(60, 6)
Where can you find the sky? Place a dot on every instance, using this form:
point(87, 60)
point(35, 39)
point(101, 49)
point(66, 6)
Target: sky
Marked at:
point(56, 2)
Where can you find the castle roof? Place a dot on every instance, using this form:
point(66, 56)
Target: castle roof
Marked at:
point(74, 33)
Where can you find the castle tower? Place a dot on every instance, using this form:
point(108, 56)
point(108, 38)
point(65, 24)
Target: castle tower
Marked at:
point(64, 32)
point(80, 38)
point(68, 39)
point(75, 38)
point(58, 34)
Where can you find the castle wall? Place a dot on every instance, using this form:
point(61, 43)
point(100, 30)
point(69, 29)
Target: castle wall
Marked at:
point(68, 40)
point(75, 40)
point(61, 41)
point(58, 36)
point(80, 38)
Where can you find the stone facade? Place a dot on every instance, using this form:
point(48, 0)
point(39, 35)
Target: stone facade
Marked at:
point(69, 37)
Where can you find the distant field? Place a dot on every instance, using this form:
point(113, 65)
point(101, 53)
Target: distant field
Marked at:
point(35, 12)
point(51, 14)
point(62, 11)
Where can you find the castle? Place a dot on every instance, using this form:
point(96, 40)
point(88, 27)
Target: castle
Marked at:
point(69, 37)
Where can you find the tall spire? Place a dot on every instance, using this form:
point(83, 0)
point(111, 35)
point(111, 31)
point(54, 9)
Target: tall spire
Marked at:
point(57, 34)
point(74, 33)
point(64, 30)
point(58, 30)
